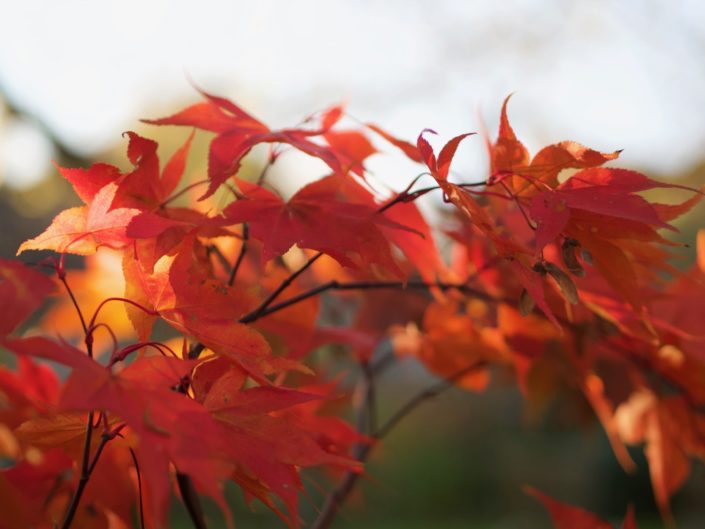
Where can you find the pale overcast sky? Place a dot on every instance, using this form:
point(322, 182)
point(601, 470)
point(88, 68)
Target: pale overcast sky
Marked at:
point(610, 74)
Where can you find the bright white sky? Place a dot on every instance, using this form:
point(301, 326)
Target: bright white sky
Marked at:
point(623, 74)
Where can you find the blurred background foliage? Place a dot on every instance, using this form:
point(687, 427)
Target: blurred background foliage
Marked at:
point(461, 460)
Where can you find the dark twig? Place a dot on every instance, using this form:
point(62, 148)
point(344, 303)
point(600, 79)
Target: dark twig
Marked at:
point(195, 351)
point(184, 190)
point(213, 249)
point(265, 169)
point(184, 481)
point(368, 413)
point(409, 196)
point(191, 501)
point(87, 467)
point(337, 497)
point(62, 277)
point(262, 308)
point(241, 255)
point(139, 486)
point(382, 362)
point(517, 201)
point(370, 285)
point(424, 395)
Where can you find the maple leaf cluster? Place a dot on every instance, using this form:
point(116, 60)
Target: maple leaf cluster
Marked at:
point(553, 262)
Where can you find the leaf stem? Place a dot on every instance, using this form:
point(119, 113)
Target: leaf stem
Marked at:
point(124, 300)
point(62, 277)
point(409, 196)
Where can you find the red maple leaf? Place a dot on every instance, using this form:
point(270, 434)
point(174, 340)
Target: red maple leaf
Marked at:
point(238, 132)
point(24, 290)
point(569, 517)
point(509, 158)
point(82, 230)
point(316, 217)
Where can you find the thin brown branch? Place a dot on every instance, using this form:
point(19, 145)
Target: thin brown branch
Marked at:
point(139, 486)
point(265, 169)
point(62, 278)
point(241, 255)
point(383, 362)
point(213, 249)
point(87, 467)
point(517, 201)
point(184, 190)
point(409, 196)
point(360, 451)
point(371, 285)
point(368, 412)
point(191, 501)
point(335, 500)
point(424, 395)
point(86, 464)
point(262, 308)
point(195, 351)
point(184, 481)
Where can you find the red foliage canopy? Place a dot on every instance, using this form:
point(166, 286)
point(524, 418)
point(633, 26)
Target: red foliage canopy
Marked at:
point(229, 393)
